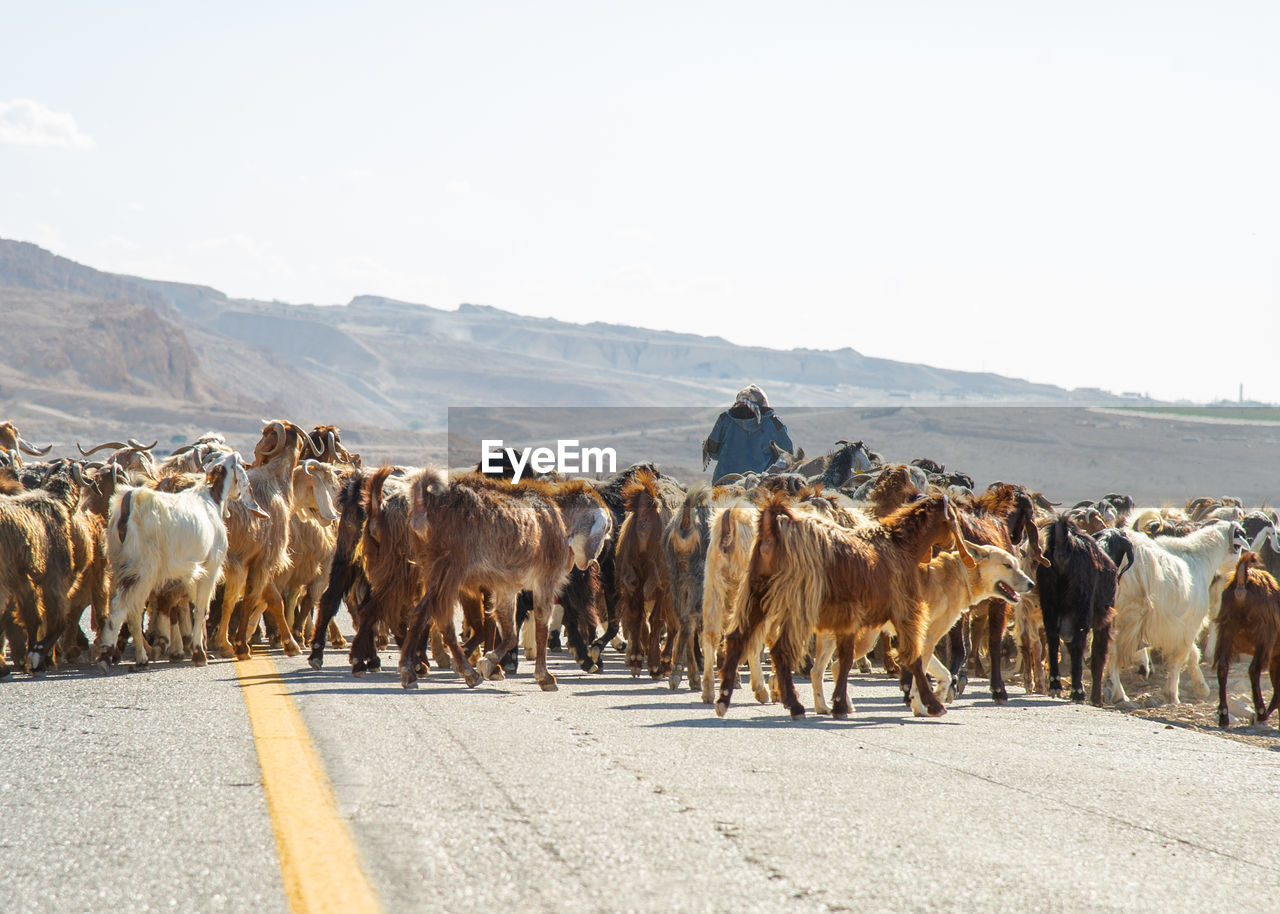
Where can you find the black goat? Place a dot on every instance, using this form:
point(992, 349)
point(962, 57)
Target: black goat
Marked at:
point(1077, 596)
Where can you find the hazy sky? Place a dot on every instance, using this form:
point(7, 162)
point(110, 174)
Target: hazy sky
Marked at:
point(1081, 193)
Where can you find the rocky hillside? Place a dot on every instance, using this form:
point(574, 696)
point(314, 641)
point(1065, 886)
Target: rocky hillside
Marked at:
point(386, 364)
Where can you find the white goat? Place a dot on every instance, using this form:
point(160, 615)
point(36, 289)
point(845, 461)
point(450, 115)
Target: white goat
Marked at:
point(157, 537)
point(1163, 600)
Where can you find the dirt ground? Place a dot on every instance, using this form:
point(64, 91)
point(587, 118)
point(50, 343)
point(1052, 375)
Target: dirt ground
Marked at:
point(1147, 700)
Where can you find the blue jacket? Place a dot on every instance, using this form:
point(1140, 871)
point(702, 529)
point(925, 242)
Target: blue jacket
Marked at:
point(742, 445)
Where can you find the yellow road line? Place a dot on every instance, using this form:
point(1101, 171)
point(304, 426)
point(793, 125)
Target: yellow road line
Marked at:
point(318, 859)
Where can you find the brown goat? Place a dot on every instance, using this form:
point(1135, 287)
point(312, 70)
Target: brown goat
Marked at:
point(258, 547)
point(312, 536)
point(13, 445)
point(1004, 516)
point(810, 574)
point(37, 569)
point(643, 573)
point(396, 583)
point(1249, 623)
point(481, 533)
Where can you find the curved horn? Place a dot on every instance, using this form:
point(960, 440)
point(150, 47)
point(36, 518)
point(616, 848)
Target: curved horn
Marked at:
point(309, 464)
point(331, 443)
point(311, 445)
point(114, 445)
point(181, 450)
point(139, 446)
point(77, 474)
point(32, 449)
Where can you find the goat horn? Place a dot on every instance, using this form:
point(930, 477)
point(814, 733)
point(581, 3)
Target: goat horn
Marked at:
point(311, 445)
point(182, 450)
point(139, 446)
point(77, 474)
point(114, 445)
point(32, 449)
point(332, 442)
point(309, 464)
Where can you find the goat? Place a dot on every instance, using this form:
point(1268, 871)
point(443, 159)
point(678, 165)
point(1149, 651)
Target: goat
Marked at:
point(156, 537)
point(13, 445)
point(134, 457)
point(808, 573)
point(685, 540)
point(1004, 516)
point(949, 588)
point(1249, 623)
point(1163, 601)
point(478, 533)
point(311, 541)
point(610, 491)
point(347, 578)
point(258, 545)
point(643, 575)
point(731, 533)
point(395, 582)
point(36, 563)
point(1077, 596)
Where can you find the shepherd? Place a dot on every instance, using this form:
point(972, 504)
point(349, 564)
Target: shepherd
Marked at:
point(740, 439)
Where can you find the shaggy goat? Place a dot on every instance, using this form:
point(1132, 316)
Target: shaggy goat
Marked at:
point(36, 563)
point(258, 545)
point(808, 573)
point(157, 537)
point(1249, 623)
point(1163, 601)
point(643, 575)
point(478, 533)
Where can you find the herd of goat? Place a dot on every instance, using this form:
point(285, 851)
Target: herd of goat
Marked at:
point(820, 561)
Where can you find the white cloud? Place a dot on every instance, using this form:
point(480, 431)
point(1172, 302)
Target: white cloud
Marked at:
point(25, 122)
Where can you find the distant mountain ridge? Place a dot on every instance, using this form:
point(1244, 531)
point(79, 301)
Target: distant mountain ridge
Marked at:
point(381, 362)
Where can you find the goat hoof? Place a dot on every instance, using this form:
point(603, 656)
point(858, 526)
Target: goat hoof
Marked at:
point(553, 641)
point(864, 665)
point(1077, 696)
point(291, 649)
point(484, 667)
point(226, 652)
point(472, 679)
point(673, 681)
point(33, 662)
point(199, 657)
point(316, 660)
point(797, 713)
point(1000, 696)
point(374, 664)
point(939, 711)
point(359, 668)
point(722, 707)
point(1055, 691)
point(408, 680)
point(499, 675)
point(104, 665)
point(842, 714)
point(1224, 720)
point(549, 684)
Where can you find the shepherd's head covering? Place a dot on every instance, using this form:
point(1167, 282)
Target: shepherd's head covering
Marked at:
point(754, 399)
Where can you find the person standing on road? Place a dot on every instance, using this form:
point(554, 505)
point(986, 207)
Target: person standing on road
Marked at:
point(740, 439)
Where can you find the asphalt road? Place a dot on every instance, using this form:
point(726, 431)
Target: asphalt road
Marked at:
point(142, 791)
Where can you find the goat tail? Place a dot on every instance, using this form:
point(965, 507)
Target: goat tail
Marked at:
point(373, 508)
point(428, 485)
